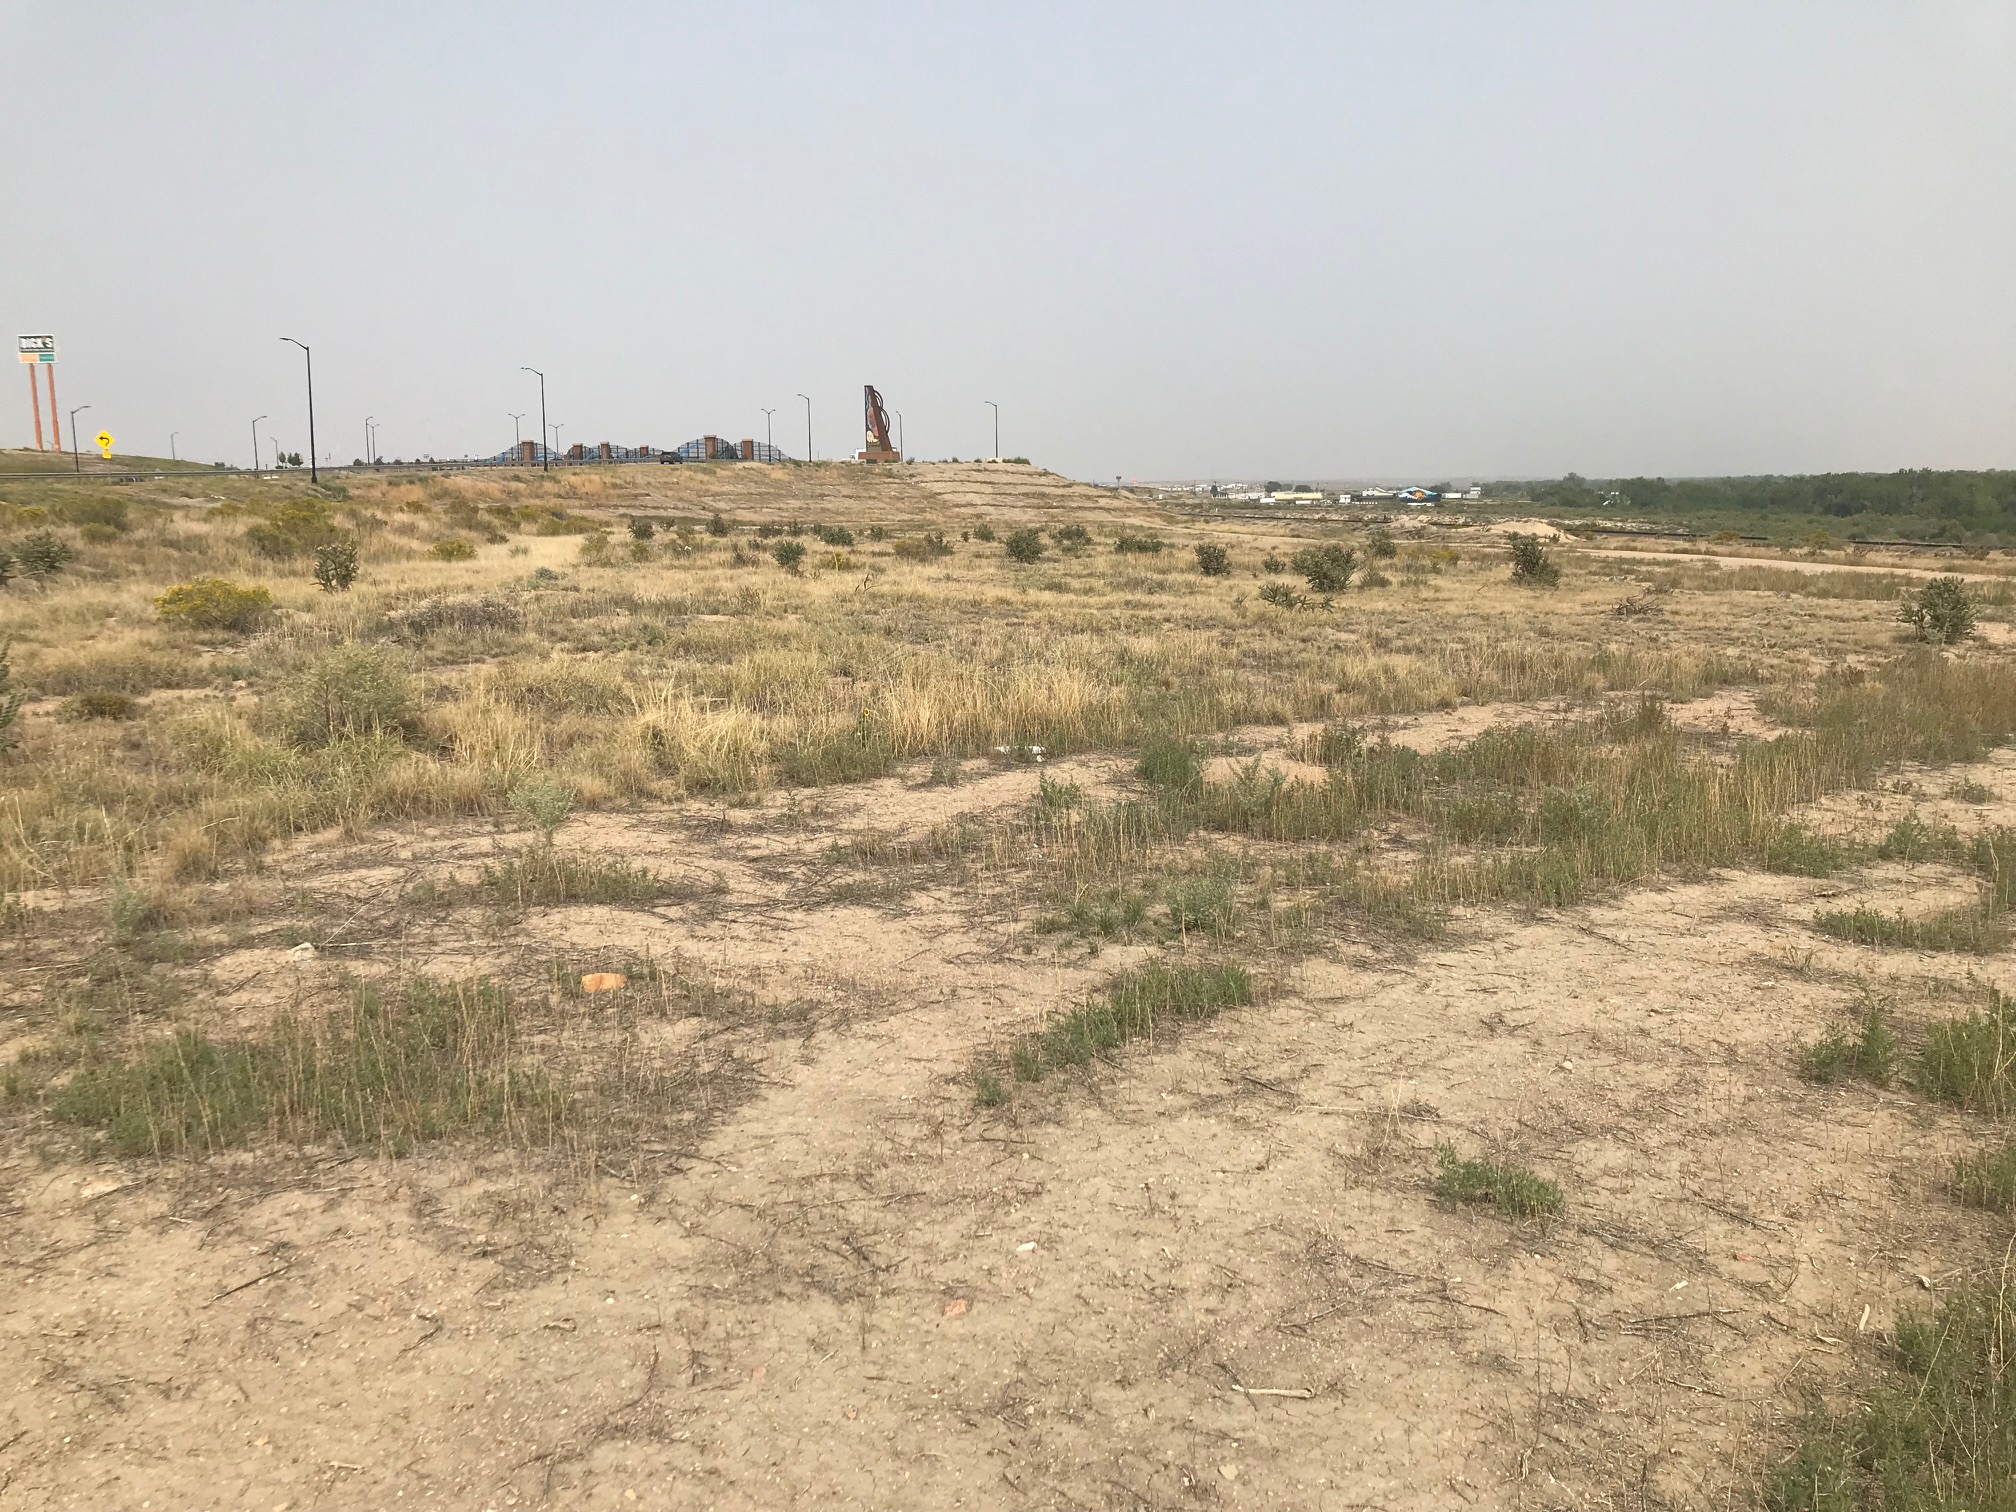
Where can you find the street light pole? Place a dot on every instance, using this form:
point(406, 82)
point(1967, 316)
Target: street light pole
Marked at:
point(255, 441)
point(515, 442)
point(899, 434)
point(558, 425)
point(997, 427)
point(368, 457)
point(545, 462)
point(76, 457)
point(171, 446)
point(768, 439)
point(808, 425)
point(314, 476)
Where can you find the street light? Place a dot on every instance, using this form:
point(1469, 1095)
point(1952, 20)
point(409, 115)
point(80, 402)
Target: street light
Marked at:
point(997, 427)
point(767, 438)
point(545, 462)
point(369, 456)
point(314, 475)
point(171, 446)
point(76, 457)
point(515, 442)
point(558, 425)
point(899, 435)
point(255, 441)
point(808, 425)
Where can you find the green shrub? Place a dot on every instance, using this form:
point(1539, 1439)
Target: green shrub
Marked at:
point(1512, 1188)
point(1531, 566)
point(1327, 568)
point(7, 566)
point(834, 535)
point(1942, 611)
point(716, 526)
point(1168, 762)
point(1970, 931)
point(1972, 1061)
point(1281, 596)
point(983, 532)
point(44, 554)
point(1071, 538)
point(925, 548)
point(1794, 850)
point(1937, 1433)
point(453, 549)
point(1212, 560)
point(1131, 544)
point(1987, 1180)
point(348, 692)
point(216, 604)
point(293, 530)
point(543, 803)
point(789, 555)
point(1870, 1054)
point(641, 529)
point(1380, 545)
point(336, 566)
point(1024, 545)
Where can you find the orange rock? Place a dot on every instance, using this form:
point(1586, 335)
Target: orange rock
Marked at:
point(956, 1306)
point(604, 981)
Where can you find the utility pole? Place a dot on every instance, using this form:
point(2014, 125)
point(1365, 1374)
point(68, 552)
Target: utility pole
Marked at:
point(997, 427)
point(314, 474)
point(76, 457)
point(545, 462)
point(808, 425)
point(768, 439)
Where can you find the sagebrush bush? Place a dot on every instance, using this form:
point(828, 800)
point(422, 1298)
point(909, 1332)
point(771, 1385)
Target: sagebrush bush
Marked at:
point(347, 692)
point(789, 555)
point(1139, 545)
point(216, 604)
point(1213, 560)
point(453, 549)
point(1071, 537)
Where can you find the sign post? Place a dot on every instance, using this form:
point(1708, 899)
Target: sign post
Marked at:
point(40, 352)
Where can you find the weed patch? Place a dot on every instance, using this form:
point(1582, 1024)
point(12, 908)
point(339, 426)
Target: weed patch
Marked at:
point(1869, 1054)
point(1155, 999)
point(1512, 1189)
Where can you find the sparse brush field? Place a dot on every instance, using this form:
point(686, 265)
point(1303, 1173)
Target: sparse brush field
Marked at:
point(774, 986)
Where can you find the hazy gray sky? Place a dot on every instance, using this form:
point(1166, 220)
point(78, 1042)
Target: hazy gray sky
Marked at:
point(1505, 239)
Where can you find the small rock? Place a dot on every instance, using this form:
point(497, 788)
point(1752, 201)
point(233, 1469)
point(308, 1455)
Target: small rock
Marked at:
point(305, 951)
point(603, 981)
point(1026, 1249)
point(1230, 1472)
point(956, 1307)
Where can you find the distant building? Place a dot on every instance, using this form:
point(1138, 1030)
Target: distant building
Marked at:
point(1415, 495)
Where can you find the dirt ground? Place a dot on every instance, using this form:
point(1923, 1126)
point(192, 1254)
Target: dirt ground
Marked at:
point(1212, 1275)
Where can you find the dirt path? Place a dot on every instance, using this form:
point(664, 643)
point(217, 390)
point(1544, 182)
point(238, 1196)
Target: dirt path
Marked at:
point(1789, 564)
point(1212, 1273)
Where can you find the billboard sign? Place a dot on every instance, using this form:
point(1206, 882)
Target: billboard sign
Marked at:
point(36, 348)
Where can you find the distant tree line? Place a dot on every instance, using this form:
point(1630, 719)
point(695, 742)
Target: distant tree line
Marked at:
point(1918, 504)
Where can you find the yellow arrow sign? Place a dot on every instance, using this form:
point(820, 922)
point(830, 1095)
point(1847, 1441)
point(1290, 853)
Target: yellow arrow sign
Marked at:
point(104, 440)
